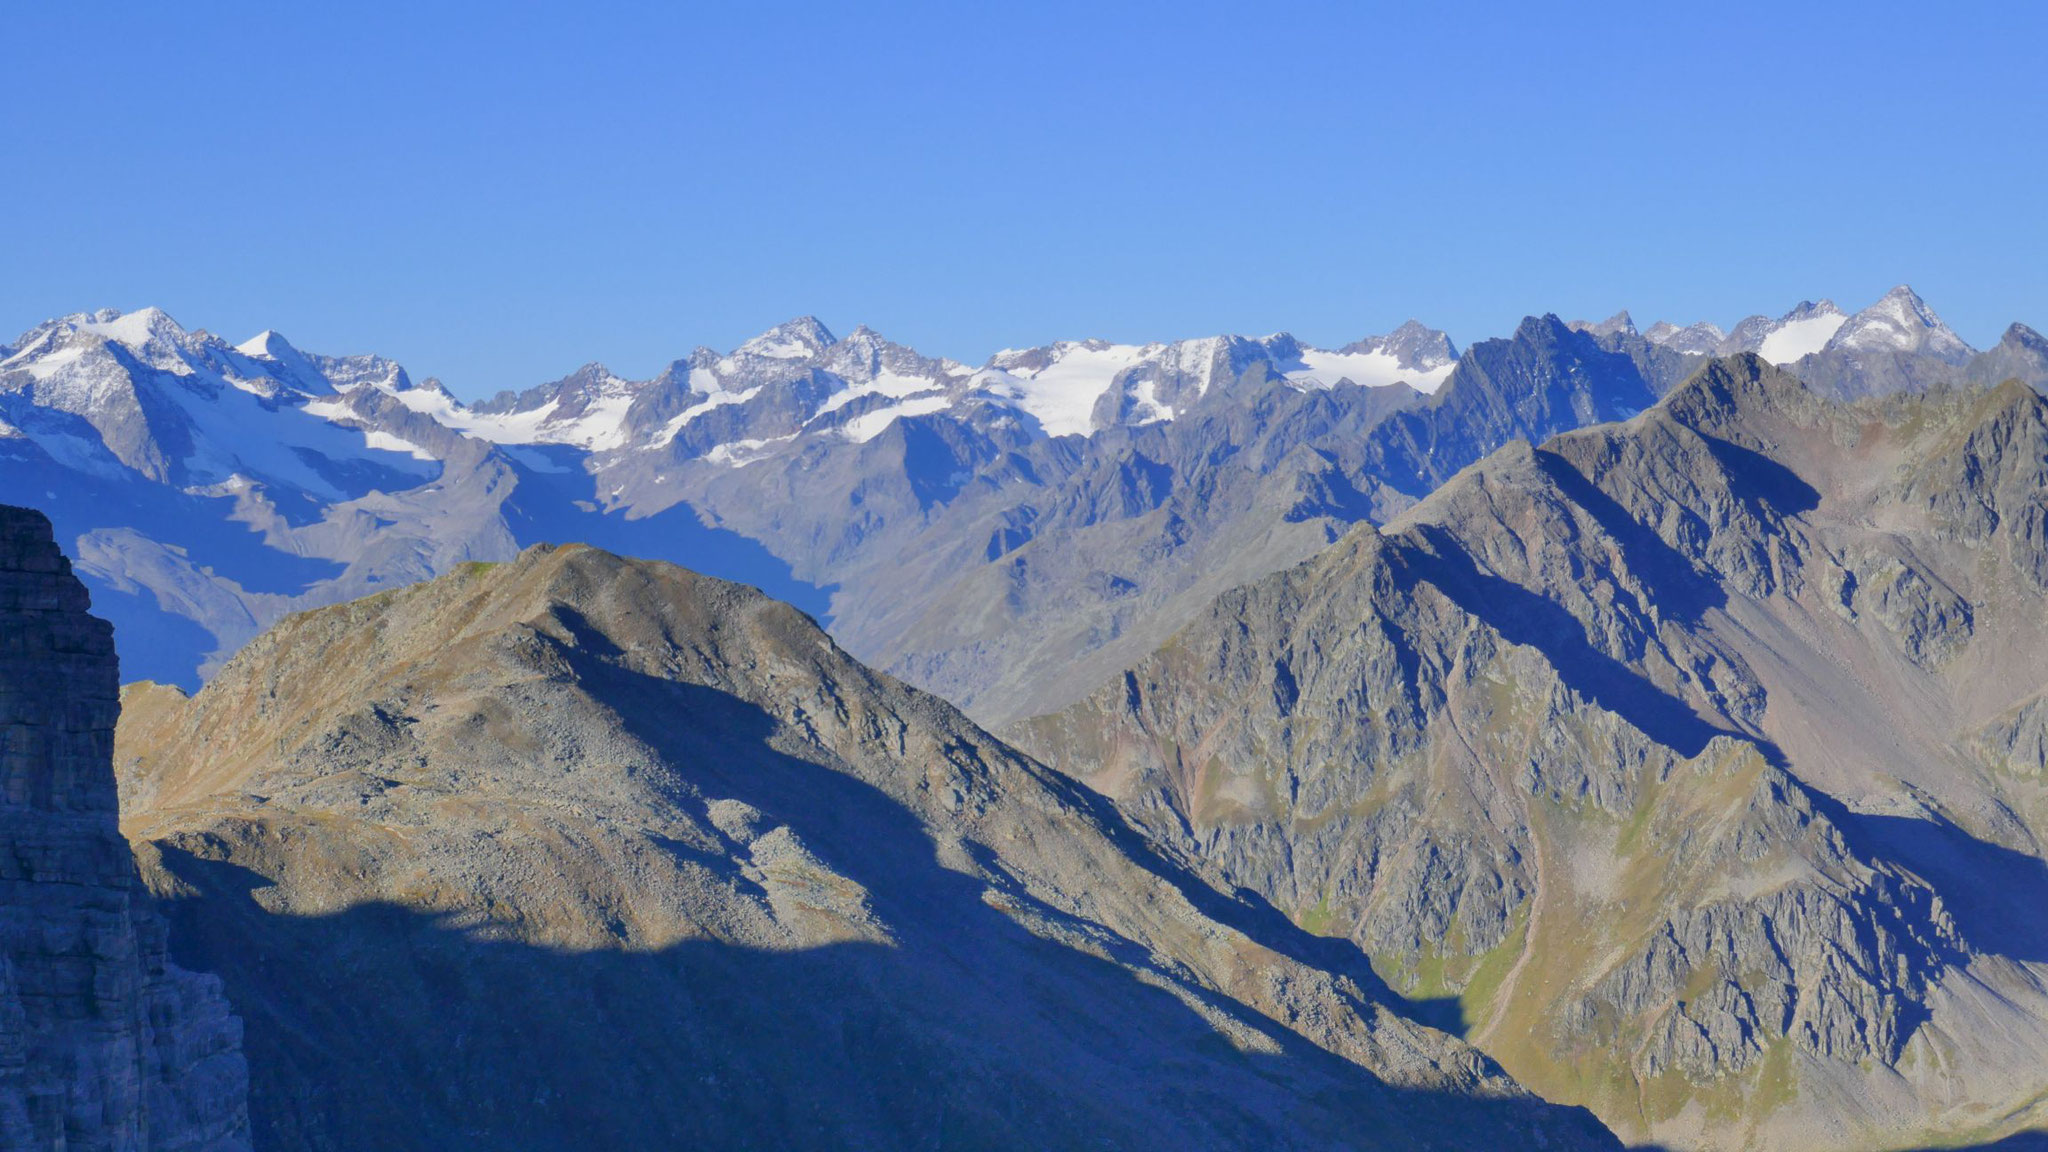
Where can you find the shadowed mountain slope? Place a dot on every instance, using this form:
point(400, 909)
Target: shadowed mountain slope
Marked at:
point(1698, 756)
point(579, 851)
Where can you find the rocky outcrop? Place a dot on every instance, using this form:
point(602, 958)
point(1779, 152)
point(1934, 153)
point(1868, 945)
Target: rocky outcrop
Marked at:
point(104, 1042)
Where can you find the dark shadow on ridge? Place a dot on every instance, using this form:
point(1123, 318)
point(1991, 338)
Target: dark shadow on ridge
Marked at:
point(1759, 479)
point(1994, 894)
point(1682, 590)
point(1523, 617)
point(1250, 912)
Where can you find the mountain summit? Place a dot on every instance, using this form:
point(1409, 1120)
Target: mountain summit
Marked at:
point(1896, 344)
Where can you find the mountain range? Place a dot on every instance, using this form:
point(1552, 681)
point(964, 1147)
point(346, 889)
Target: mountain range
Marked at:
point(1613, 742)
point(1002, 535)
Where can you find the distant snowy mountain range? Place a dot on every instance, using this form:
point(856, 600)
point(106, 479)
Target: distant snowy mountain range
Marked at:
point(794, 380)
point(262, 410)
point(208, 488)
point(1901, 322)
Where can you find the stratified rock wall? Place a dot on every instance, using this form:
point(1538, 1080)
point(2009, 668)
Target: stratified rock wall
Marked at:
point(104, 1044)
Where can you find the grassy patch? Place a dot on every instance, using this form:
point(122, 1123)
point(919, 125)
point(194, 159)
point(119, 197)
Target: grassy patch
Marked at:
point(1482, 985)
point(1316, 920)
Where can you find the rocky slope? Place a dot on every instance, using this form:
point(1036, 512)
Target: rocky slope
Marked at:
point(1696, 757)
point(578, 851)
point(104, 1044)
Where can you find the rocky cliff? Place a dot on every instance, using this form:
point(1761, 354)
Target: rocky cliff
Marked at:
point(104, 1043)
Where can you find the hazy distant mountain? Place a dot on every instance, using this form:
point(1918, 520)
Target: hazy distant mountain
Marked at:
point(1619, 324)
point(1698, 339)
point(1896, 345)
point(1797, 334)
point(2020, 354)
point(207, 489)
point(1698, 756)
point(1010, 575)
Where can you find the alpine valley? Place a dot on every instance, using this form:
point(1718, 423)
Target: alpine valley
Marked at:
point(1593, 737)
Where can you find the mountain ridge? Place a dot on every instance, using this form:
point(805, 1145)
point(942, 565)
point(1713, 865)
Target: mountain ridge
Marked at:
point(1649, 748)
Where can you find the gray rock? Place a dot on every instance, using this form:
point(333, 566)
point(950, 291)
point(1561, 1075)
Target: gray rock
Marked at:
point(1653, 748)
point(105, 1044)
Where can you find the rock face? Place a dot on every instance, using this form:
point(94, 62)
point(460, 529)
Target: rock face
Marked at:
point(104, 1044)
point(579, 851)
point(1697, 758)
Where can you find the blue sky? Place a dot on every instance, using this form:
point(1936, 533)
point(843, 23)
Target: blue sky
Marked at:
point(495, 194)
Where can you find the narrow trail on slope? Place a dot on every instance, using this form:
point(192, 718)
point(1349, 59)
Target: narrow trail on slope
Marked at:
point(1511, 982)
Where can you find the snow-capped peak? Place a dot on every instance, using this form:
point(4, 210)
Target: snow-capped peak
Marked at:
point(275, 357)
point(135, 329)
point(1802, 332)
point(1412, 354)
point(1416, 345)
point(865, 355)
point(149, 334)
point(1901, 321)
point(1059, 384)
point(1415, 348)
point(798, 339)
point(267, 345)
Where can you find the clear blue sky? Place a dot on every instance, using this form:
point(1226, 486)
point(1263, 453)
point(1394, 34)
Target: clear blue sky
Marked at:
point(497, 193)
